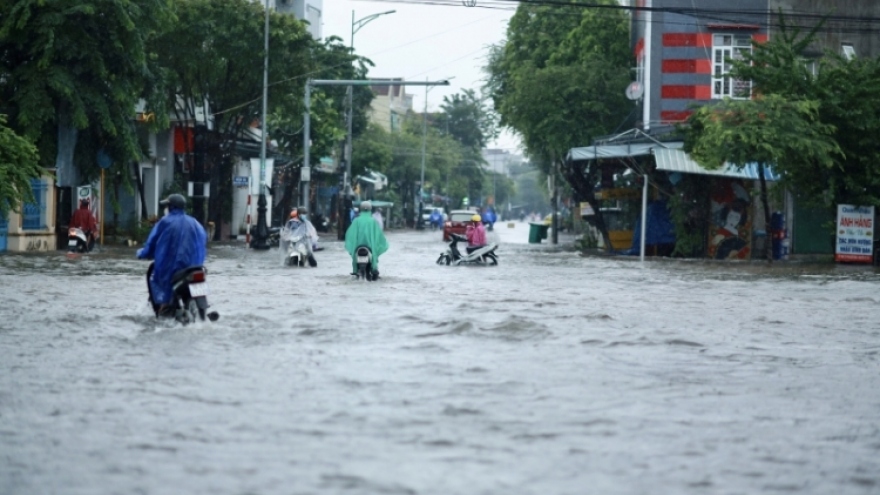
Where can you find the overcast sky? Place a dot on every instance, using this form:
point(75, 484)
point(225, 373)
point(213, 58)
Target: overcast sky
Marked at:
point(423, 41)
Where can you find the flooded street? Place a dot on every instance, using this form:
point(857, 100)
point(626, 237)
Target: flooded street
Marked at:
point(551, 373)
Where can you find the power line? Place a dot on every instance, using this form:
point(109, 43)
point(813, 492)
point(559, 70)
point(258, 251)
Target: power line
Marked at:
point(860, 24)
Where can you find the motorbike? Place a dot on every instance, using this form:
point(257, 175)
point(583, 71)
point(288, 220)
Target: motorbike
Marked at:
point(189, 301)
point(77, 241)
point(484, 256)
point(297, 246)
point(364, 257)
point(274, 237)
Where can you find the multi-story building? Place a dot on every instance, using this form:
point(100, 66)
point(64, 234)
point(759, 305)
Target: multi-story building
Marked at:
point(683, 51)
point(683, 48)
point(311, 11)
point(391, 104)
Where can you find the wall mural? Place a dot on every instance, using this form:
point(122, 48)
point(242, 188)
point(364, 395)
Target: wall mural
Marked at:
point(730, 233)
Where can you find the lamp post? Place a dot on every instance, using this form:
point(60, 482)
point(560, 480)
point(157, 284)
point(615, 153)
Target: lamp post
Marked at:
point(262, 235)
point(419, 225)
point(344, 220)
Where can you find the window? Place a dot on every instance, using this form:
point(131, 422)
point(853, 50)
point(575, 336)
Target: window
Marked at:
point(725, 48)
point(848, 51)
point(34, 214)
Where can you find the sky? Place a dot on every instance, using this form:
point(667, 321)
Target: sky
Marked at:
point(419, 42)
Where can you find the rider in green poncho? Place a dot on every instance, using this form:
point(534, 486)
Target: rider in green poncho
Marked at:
point(365, 231)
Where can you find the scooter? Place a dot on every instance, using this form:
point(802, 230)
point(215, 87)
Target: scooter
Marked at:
point(189, 302)
point(484, 256)
point(297, 247)
point(77, 241)
point(364, 263)
point(274, 237)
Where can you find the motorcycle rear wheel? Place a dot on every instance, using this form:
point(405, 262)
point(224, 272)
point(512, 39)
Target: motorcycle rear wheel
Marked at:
point(491, 259)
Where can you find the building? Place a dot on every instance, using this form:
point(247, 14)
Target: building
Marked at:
point(311, 11)
point(390, 104)
point(682, 53)
point(499, 161)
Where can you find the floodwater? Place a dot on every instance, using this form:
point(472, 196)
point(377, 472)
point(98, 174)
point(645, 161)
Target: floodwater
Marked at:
point(551, 373)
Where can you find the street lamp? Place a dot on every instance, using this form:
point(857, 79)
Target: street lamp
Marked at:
point(344, 219)
point(262, 235)
point(419, 225)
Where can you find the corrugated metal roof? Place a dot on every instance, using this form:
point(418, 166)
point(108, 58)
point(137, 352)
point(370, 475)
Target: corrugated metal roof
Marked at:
point(676, 160)
point(618, 150)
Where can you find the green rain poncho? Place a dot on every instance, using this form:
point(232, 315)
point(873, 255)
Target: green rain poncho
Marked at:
point(365, 231)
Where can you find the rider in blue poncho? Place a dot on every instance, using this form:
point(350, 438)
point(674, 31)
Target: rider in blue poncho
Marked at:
point(365, 231)
point(177, 241)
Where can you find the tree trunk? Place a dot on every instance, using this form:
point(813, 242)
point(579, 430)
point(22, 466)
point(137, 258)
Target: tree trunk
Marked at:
point(582, 181)
point(139, 182)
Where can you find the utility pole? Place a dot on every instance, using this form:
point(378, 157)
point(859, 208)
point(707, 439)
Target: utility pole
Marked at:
point(262, 235)
point(344, 206)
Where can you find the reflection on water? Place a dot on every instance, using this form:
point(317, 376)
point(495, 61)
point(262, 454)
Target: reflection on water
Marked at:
point(551, 373)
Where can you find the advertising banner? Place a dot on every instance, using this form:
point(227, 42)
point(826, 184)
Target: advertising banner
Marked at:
point(855, 234)
point(88, 193)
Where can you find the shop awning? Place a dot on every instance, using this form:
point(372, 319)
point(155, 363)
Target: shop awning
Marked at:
point(676, 160)
point(603, 151)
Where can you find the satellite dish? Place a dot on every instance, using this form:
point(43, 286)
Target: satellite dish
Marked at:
point(635, 90)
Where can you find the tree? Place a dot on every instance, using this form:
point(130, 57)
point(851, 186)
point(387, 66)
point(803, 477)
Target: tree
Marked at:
point(848, 97)
point(214, 56)
point(559, 81)
point(467, 118)
point(19, 163)
point(77, 68)
point(769, 130)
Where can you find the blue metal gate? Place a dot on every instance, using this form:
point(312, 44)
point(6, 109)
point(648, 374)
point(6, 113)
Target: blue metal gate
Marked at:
point(34, 214)
point(4, 230)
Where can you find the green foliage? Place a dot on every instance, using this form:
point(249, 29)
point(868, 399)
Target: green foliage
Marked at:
point(372, 150)
point(770, 130)
point(19, 163)
point(848, 97)
point(558, 80)
point(468, 119)
point(687, 210)
point(82, 62)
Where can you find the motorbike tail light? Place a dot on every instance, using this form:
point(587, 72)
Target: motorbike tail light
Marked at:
point(448, 224)
point(197, 277)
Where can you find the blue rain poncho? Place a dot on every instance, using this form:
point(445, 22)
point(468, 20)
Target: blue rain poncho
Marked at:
point(365, 231)
point(176, 242)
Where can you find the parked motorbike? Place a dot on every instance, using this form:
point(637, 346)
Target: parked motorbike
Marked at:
point(189, 301)
point(297, 246)
point(321, 223)
point(364, 257)
point(484, 256)
point(77, 241)
point(274, 237)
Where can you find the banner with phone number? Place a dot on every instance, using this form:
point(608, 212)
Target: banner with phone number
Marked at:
point(855, 234)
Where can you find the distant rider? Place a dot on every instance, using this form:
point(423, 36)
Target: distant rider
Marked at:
point(84, 220)
point(177, 241)
point(476, 234)
point(436, 219)
point(296, 221)
point(365, 231)
point(490, 218)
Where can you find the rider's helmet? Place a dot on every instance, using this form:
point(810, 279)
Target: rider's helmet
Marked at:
point(84, 203)
point(302, 210)
point(366, 206)
point(476, 218)
point(174, 201)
